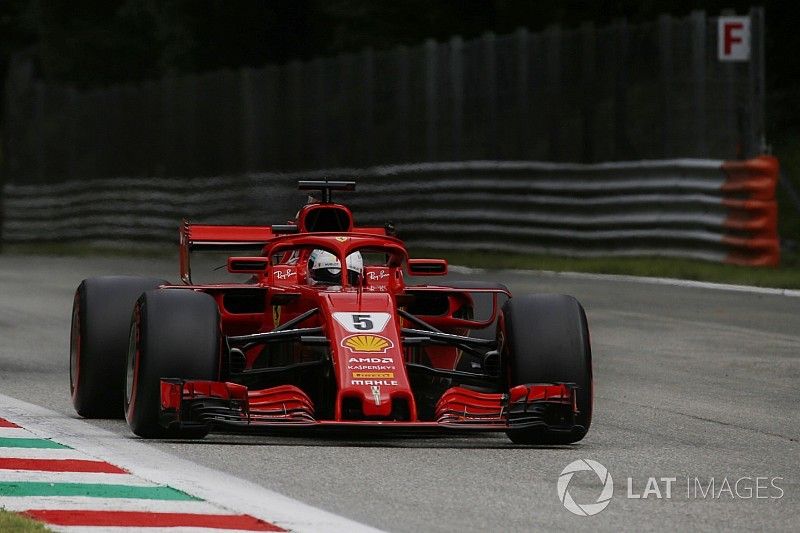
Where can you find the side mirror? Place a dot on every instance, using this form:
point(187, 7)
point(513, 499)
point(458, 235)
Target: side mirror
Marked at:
point(247, 265)
point(427, 267)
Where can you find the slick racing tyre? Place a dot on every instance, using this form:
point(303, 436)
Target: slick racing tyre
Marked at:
point(547, 341)
point(101, 313)
point(174, 333)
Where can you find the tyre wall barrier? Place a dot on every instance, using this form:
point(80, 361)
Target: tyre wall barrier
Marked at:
point(722, 211)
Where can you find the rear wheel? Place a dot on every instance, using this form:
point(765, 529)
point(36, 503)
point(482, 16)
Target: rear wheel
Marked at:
point(101, 312)
point(547, 341)
point(174, 333)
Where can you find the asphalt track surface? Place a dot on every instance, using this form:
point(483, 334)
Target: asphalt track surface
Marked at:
point(689, 383)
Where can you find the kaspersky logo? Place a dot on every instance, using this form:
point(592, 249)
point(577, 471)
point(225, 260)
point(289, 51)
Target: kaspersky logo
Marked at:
point(585, 509)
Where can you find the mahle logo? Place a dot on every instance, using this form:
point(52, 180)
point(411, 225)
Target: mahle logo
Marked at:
point(585, 509)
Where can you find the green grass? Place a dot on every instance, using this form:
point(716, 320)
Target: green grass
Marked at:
point(16, 523)
point(786, 276)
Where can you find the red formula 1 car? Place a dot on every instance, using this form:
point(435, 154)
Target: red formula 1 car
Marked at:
point(326, 332)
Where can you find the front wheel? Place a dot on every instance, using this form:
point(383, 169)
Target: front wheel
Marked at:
point(174, 333)
point(547, 341)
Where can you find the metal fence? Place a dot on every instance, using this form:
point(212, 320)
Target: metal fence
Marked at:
point(623, 92)
point(704, 209)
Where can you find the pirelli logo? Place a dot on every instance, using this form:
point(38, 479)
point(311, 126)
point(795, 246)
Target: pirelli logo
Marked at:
point(374, 375)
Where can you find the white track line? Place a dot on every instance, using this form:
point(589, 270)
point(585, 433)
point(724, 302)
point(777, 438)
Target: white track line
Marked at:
point(88, 503)
point(99, 478)
point(16, 433)
point(42, 453)
point(792, 293)
point(154, 465)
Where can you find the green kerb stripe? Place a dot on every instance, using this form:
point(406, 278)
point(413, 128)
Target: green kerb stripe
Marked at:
point(96, 490)
point(29, 443)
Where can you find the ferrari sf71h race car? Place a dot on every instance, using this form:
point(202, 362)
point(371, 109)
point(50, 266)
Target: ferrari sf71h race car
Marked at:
point(325, 332)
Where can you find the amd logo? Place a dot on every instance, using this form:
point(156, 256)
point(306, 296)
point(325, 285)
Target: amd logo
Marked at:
point(370, 360)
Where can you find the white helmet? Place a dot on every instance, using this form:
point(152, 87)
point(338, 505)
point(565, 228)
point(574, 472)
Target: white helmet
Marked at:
point(324, 267)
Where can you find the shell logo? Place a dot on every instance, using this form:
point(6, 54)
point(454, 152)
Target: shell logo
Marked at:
point(367, 343)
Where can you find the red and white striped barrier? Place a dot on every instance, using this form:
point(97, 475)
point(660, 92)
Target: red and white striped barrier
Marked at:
point(752, 222)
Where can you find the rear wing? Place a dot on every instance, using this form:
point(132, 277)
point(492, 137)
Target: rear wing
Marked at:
point(233, 238)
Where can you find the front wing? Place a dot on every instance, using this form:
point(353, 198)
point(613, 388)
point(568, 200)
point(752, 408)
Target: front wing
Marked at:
point(223, 405)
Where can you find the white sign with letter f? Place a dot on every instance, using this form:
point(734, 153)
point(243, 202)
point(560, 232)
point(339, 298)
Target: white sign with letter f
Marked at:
point(733, 38)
